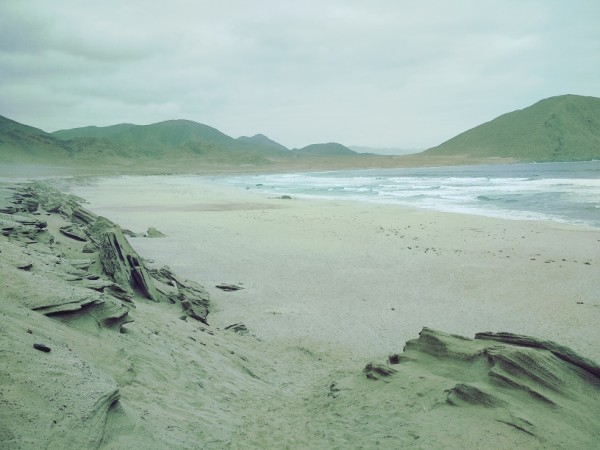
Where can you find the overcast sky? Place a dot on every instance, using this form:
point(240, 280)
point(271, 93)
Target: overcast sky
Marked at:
point(382, 73)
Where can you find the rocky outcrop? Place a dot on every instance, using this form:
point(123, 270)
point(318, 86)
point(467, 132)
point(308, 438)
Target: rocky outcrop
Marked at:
point(192, 297)
point(103, 285)
point(539, 388)
point(120, 262)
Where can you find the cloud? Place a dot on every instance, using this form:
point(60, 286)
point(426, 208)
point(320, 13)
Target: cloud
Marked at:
point(386, 72)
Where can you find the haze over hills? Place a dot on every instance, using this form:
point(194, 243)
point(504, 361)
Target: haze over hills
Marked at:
point(563, 128)
point(264, 141)
point(390, 151)
point(328, 149)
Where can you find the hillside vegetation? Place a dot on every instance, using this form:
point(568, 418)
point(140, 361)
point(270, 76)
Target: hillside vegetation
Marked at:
point(329, 149)
point(563, 128)
point(174, 142)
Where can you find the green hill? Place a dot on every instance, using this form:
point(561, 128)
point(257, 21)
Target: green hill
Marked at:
point(24, 144)
point(563, 128)
point(329, 149)
point(174, 139)
point(263, 141)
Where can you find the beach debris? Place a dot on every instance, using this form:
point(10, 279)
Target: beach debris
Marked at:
point(238, 328)
point(42, 348)
point(394, 358)
point(154, 233)
point(228, 287)
point(378, 371)
point(27, 266)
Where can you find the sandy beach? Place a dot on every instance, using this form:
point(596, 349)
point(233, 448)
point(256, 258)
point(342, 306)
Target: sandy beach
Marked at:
point(320, 348)
point(360, 278)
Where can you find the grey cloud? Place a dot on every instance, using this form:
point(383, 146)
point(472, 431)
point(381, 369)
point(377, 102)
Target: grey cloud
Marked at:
point(386, 72)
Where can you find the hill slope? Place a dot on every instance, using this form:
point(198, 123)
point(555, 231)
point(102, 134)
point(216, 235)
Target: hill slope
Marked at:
point(24, 144)
point(563, 128)
point(175, 140)
point(329, 149)
point(265, 142)
point(172, 138)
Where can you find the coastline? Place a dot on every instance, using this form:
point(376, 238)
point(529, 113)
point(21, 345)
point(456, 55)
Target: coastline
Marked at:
point(456, 272)
point(328, 286)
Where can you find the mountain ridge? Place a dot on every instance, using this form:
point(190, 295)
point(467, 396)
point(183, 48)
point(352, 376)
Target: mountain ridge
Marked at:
point(561, 128)
point(325, 149)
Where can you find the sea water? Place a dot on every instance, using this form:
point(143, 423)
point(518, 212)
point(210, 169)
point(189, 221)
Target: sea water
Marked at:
point(565, 192)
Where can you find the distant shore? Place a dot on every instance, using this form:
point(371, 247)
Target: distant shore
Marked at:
point(167, 167)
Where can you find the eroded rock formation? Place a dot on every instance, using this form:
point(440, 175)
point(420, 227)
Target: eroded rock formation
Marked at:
point(104, 284)
point(539, 388)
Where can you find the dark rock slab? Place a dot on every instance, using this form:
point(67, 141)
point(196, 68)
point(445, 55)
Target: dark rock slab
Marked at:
point(73, 232)
point(378, 371)
point(120, 262)
point(558, 350)
point(228, 287)
point(192, 297)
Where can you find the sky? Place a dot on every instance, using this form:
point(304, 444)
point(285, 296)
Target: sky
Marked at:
point(378, 73)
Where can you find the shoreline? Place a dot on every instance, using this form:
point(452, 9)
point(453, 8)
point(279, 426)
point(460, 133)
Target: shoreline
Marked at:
point(371, 250)
point(331, 333)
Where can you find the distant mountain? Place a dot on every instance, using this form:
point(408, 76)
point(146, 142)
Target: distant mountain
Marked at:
point(261, 140)
point(384, 150)
point(92, 132)
point(22, 143)
point(172, 138)
point(563, 128)
point(329, 149)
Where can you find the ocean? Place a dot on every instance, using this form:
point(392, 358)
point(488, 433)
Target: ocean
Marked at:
point(563, 192)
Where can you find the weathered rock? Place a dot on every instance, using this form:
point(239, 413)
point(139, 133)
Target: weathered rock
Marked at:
point(192, 297)
point(89, 248)
point(238, 328)
point(121, 263)
point(118, 292)
point(228, 287)
point(154, 233)
point(117, 260)
point(82, 215)
point(539, 388)
point(73, 232)
point(558, 350)
point(378, 371)
point(42, 347)
point(130, 233)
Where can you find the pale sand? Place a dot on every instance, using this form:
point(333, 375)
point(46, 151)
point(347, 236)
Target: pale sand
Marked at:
point(328, 287)
point(361, 279)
